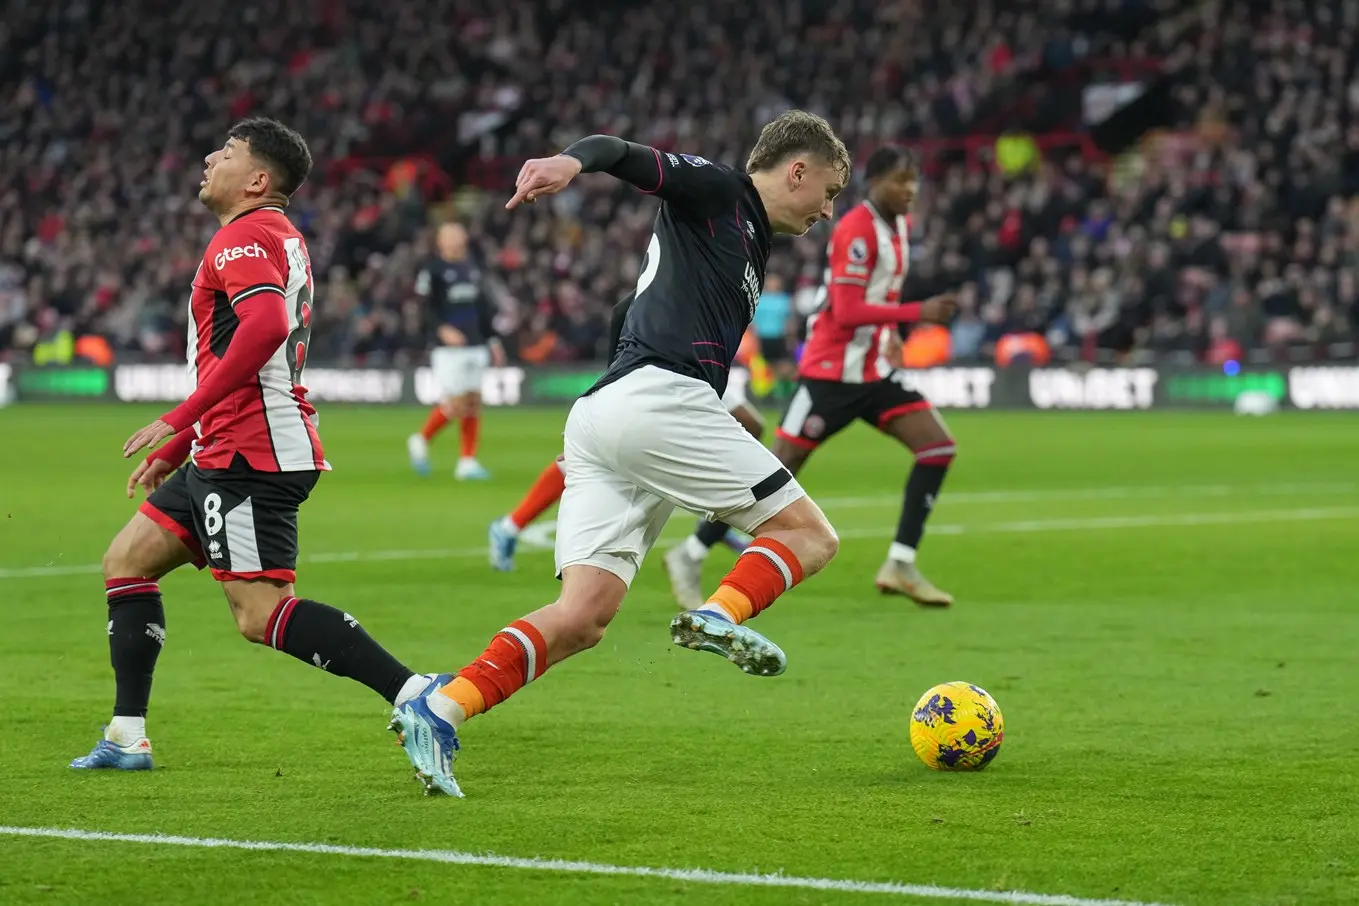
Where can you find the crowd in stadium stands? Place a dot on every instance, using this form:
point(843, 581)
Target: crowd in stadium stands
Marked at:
point(1232, 227)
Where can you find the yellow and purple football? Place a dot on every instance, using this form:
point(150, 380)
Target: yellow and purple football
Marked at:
point(957, 727)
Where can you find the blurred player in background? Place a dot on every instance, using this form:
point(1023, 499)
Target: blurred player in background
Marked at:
point(547, 489)
point(652, 433)
point(452, 286)
point(845, 376)
point(256, 455)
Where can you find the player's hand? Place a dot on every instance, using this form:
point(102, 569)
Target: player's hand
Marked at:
point(892, 350)
point(150, 436)
point(451, 336)
point(150, 474)
point(543, 176)
point(497, 355)
point(938, 309)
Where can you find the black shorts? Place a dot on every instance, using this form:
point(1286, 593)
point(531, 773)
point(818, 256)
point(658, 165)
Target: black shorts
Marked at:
point(240, 522)
point(821, 409)
point(774, 349)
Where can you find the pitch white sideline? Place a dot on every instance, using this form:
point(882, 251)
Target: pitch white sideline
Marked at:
point(691, 875)
point(539, 535)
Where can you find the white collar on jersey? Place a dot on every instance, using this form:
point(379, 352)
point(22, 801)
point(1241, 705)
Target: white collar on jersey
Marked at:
point(877, 215)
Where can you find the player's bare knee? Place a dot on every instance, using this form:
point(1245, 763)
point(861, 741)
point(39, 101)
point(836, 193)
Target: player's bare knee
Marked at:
point(822, 544)
point(252, 605)
point(142, 548)
point(116, 558)
point(792, 457)
point(589, 601)
point(591, 623)
point(808, 533)
point(575, 624)
point(252, 622)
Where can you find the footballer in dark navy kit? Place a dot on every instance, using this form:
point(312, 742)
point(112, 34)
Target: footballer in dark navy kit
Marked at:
point(453, 286)
point(652, 433)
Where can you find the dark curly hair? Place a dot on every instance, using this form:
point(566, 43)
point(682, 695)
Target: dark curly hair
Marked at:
point(281, 150)
point(888, 159)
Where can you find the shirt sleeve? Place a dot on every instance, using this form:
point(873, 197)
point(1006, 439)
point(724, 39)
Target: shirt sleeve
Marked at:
point(692, 185)
point(486, 316)
point(176, 451)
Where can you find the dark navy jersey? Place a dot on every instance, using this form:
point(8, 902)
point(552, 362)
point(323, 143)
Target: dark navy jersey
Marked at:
point(704, 269)
point(456, 298)
point(616, 319)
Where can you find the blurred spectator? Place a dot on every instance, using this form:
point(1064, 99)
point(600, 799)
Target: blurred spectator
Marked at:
point(1232, 232)
point(775, 327)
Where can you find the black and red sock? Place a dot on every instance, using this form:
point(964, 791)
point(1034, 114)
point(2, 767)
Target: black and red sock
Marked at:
point(331, 639)
point(922, 488)
point(136, 635)
point(709, 533)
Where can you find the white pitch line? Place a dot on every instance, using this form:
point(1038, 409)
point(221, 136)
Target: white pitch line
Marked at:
point(1168, 520)
point(1023, 526)
point(1118, 492)
point(692, 875)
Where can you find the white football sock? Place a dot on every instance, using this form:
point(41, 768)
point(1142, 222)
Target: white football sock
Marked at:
point(714, 607)
point(446, 708)
point(695, 549)
point(124, 731)
point(412, 687)
point(901, 553)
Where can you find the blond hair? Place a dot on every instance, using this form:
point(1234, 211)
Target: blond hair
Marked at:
point(796, 132)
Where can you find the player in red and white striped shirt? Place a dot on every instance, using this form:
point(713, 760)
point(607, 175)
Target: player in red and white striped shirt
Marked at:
point(845, 376)
point(255, 453)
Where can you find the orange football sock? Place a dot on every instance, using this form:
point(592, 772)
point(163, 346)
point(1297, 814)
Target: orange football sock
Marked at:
point(434, 424)
point(516, 657)
point(546, 490)
point(764, 571)
point(470, 426)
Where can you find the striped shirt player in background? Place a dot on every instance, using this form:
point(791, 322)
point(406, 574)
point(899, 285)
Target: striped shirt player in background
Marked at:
point(255, 454)
point(843, 374)
point(453, 287)
point(547, 488)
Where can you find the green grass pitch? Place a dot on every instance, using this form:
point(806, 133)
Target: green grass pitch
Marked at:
point(1163, 604)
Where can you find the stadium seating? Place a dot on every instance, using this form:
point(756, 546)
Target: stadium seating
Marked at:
point(1232, 227)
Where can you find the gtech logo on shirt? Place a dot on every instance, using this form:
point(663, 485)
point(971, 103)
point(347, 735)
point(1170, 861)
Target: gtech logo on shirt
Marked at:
point(240, 251)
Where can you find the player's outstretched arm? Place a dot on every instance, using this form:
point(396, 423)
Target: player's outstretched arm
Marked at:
point(853, 257)
point(691, 184)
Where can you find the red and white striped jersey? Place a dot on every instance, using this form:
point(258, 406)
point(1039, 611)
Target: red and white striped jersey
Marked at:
point(866, 250)
point(268, 421)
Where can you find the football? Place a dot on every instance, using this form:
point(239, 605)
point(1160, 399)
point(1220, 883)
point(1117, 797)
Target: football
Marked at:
point(957, 727)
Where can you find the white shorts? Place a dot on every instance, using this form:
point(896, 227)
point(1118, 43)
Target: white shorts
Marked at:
point(735, 396)
point(459, 369)
point(650, 441)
